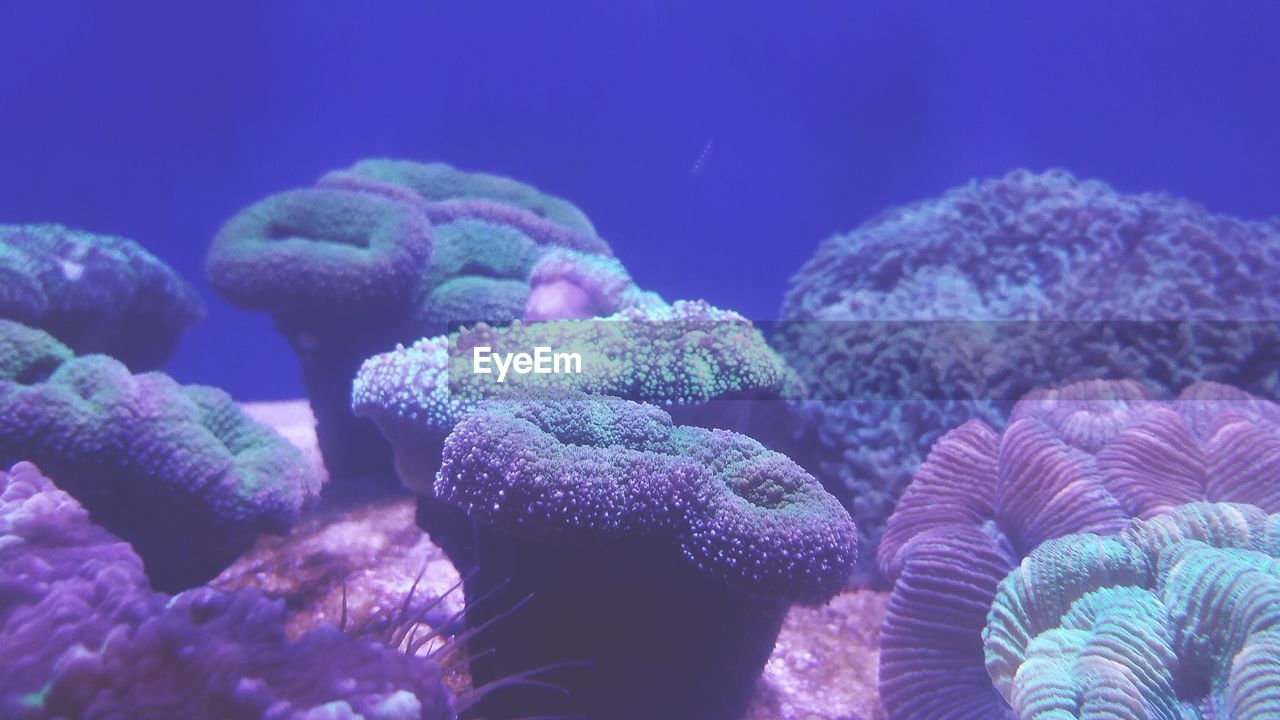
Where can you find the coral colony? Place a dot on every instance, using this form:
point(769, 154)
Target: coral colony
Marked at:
point(1034, 416)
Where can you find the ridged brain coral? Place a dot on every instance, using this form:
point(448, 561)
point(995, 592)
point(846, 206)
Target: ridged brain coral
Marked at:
point(1083, 458)
point(662, 556)
point(865, 320)
point(382, 253)
point(85, 637)
point(95, 293)
point(681, 356)
point(1177, 617)
point(179, 471)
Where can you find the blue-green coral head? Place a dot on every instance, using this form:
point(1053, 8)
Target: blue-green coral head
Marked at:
point(1178, 617)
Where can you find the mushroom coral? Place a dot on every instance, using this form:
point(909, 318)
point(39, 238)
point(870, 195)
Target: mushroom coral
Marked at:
point(662, 557)
point(338, 270)
point(85, 637)
point(178, 471)
point(382, 253)
point(95, 293)
point(1083, 458)
point(950, 309)
point(1177, 617)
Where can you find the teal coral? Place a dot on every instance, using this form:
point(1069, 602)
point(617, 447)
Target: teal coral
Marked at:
point(95, 293)
point(1177, 617)
point(179, 471)
point(686, 354)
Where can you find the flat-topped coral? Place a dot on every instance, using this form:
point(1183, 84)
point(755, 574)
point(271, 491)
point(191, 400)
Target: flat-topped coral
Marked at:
point(682, 357)
point(661, 556)
point(179, 471)
point(339, 272)
point(1177, 617)
point(382, 253)
point(951, 309)
point(95, 293)
point(1084, 458)
point(83, 636)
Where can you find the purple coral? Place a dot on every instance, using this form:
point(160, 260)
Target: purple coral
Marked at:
point(566, 284)
point(85, 637)
point(1176, 617)
point(1067, 463)
point(903, 326)
point(64, 582)
point(179, 471)
point(664, 557)
point(95, 293)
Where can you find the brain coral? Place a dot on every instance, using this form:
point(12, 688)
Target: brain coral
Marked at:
point(382, 253)
point(663, 556)
point(180, 472)
point(1177, 617)
point(95, 293)
point(84, 636)
point(1084, 458)
point(902, 329)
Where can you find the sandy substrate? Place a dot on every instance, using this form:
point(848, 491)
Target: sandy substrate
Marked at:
point(823, 668)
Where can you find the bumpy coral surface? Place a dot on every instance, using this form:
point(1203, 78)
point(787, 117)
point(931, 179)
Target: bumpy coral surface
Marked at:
point(210, 654)
point(900, 326)
point(578, 468)
point(95, 293)
point(603, 534)
point(681, 356)
point(84, 636)
point(1084, 458)
point(1177, 617)
point(567, 284)
point(180, 472)
point(64, 582)
point(387, 252)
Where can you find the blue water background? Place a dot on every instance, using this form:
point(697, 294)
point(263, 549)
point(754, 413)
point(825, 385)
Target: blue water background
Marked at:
point(157, 121)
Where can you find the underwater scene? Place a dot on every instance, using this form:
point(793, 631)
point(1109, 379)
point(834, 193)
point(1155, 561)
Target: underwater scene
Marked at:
point(640, 361)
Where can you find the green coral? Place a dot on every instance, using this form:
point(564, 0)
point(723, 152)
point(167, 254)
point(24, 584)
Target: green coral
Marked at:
point(1177, 618)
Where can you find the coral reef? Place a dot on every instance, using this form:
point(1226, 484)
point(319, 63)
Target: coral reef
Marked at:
point(1084, 458)
point(662, 556)
point(902, 329)
point(95, 293)
point(1177, 617)
point(382, 253)
point(92, 640)
point(178, 471)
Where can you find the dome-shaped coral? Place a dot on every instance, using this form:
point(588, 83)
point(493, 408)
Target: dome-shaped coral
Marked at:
point(662, 556)
point(950, 309)
point(1068, 462)
point(180, 472)
point(95, 293)
point(1177, 617)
